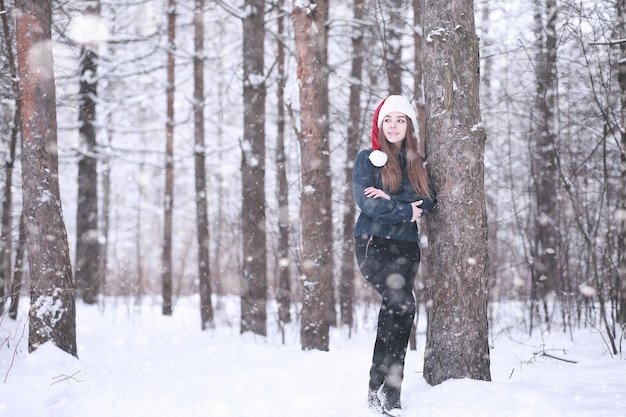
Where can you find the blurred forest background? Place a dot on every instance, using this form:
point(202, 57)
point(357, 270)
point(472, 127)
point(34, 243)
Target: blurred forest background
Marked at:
point(553, 94)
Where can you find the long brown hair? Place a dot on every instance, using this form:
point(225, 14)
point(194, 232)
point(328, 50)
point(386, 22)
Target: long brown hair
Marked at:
point(391, 172)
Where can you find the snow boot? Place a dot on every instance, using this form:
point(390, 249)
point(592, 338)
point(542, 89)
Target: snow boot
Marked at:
point(373, 401)
point(390, 400)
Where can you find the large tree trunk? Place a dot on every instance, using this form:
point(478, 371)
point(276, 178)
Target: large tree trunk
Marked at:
point(87, 234)
point(457, 332)
point(346, 286)
point(311, 40)
point(168, 207)
point(545, 274)
point(254, 274)
point(202, 221)
point(283, 295)
point(52, 311)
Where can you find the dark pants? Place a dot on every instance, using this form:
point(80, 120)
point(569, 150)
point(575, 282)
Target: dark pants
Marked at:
point(390, 266)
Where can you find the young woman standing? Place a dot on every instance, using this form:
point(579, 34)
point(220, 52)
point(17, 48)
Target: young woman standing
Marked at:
point(391, 188)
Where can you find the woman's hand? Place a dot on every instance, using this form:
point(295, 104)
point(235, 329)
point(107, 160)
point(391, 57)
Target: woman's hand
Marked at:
point(376, 193)
point(417, 210)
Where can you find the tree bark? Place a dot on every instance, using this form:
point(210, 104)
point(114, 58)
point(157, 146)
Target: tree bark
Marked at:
point(621, 215)
point(254, 273)
point(18, 269)
point(106, 213)
point(545, 276)
point(418, 72)
point(457, 331)
point(393, 46)
point(168, 207)
point(346, 283)
point(311, 47)
point(202, 221)
point(52, 309)
point(283, 296)
point(138, 286)
point(7, 205)
point(87, 233)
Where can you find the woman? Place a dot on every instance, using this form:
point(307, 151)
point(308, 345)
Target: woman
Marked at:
point(391, 188)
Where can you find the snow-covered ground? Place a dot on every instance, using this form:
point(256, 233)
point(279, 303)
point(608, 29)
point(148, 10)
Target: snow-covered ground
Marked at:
point(136, 362)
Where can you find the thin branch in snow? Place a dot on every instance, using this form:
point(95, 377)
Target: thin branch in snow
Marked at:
point(64, 377)
point(549, 355)
point(6, 376)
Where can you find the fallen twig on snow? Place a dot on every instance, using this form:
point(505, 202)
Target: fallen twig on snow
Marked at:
point(549, 355)
point(64, 377)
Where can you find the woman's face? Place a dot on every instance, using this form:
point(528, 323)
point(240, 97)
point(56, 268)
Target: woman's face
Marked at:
point(394, 127)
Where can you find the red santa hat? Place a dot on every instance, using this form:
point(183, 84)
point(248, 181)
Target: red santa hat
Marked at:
point(393, 103)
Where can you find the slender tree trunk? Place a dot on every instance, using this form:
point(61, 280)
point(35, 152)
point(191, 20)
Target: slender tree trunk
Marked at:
point(137, 287)
point(254, 274)
point(166, 274)
point(87, 232)
point(621, 215)
point(220, 227)
point(202, 221)
point(311, 47)
point(52, 310)
point(546, 270)
point(7, 205)
point(218, 282)
point(457, 332)
point(18, 270)
point(6, 237)
point(346, 284)
point(421, 129)
point(393, 46)
point(493, 207)
point(283, 296)
point(418, 73)
point(106, 213)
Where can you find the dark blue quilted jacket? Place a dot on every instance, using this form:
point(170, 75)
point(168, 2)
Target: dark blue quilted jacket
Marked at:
point(381, 217)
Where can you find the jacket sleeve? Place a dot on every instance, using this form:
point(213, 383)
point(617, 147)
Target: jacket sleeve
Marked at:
point(427, 204)
point(380, 209)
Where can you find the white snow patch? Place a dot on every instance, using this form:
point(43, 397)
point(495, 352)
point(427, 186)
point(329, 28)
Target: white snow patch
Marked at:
point(136, 362)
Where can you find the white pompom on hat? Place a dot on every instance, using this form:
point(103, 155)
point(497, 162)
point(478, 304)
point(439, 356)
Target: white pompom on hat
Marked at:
point(393, 103)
